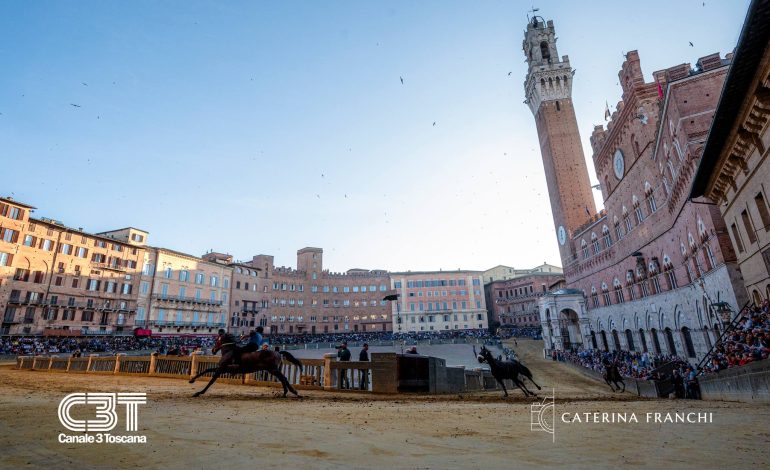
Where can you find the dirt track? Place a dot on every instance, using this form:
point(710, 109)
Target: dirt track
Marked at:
point(249, 426)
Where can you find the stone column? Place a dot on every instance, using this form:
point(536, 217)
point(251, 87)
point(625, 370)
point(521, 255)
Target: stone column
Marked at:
point(384, 373)
point(194, 364)
point(117, 363)
point(153, 358)
point(328, 359)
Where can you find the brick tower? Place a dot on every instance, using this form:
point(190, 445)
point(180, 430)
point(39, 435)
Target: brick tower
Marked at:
point(548, 89)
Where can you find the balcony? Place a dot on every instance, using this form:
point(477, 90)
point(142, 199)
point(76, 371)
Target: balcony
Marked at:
point(110, 267)
point(193, 300)
point(179, 324)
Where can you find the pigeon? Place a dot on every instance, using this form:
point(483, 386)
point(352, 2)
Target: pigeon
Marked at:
point(402, 80)
point(75, 105)
point(509, 73)
point(691, 44)
point(84, 83)
point(391, 297)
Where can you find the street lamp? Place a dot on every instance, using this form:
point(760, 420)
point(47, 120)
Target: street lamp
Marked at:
point(723, 312)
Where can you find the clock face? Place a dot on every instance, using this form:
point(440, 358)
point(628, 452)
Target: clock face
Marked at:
point(562, 234)
point(619, 164)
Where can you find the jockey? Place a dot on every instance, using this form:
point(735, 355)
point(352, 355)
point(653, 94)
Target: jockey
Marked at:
point(255, 341)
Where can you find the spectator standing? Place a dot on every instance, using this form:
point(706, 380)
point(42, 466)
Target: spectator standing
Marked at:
point(363, 374)
point(343, 354)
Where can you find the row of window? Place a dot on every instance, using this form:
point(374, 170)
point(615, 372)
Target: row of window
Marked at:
point(651, 285)
point(430, 306)
point(761, 205)
point(336, 289)
point(436, 293)
point(432, 318)
point(335, 319)
point(330, 303)
point(184, 276)
point(435, 283)
point(181, 317)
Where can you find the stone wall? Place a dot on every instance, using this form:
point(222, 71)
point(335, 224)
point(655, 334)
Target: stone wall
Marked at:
point(750, 383)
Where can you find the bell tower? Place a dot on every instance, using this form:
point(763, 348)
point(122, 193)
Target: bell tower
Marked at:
point(548, 89)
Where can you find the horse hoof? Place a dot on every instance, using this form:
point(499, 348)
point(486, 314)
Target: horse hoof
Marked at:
point(195, 395)
point(192, 381)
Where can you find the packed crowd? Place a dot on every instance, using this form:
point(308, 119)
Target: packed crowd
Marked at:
point(533, 332)
point(630, 364)
point(747, 342)
point(383, 336)
point(34, 345)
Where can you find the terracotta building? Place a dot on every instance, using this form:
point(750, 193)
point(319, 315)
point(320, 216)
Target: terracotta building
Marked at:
point(183, 294)
point(60, 280)
point(735, 169)
point(438, 300)
point(514, 301)
point(313, 300)
point(651, 264)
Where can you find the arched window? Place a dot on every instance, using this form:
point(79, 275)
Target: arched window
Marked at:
point(595, 243)
point(594, 297)
point(618, 228)
point(670, 341)
point(616, 340)
point(643, 339)
point(630, 340)
point(687, 337)
point(648, 193)
point(606, 294)
point(637, 210)
point(545, 53)
point(593, 340)
point(618, 287)
point(584, 247)
point(605, 345)
point(606, 236)
point(627, 220)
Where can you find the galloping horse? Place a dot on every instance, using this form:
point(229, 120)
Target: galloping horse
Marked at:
point(612, 374)
point(249, 362)
point(506, 370)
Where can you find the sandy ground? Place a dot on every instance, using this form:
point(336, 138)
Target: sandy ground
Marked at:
point(242, 426)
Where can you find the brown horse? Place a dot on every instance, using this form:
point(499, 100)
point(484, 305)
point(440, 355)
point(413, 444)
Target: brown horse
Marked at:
point(249, 362)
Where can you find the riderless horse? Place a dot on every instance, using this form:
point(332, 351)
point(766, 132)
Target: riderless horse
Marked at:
point(502, 370)
point(248, 362)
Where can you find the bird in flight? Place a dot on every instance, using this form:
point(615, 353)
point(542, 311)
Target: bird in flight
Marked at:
point(402, 80)
point(691, 44)
point(434, 123)
point(75, 105)
point(509, 73)
point(84, 83)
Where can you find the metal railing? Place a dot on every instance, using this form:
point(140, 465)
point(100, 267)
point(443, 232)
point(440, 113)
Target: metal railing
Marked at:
point(729, 328)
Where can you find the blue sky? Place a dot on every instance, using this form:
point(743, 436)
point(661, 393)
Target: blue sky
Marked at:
point(264, 127)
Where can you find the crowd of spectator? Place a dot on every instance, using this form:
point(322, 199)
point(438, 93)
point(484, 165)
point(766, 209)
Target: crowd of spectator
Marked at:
point(747, 341)
point(34, 345)
point(630, 364)
point(532, 332)
point(31, 345)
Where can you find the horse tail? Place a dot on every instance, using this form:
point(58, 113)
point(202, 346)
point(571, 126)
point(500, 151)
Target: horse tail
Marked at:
point(525, 372)
point(290, 358)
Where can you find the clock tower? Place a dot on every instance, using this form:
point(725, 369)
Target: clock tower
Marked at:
point(548, 89)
